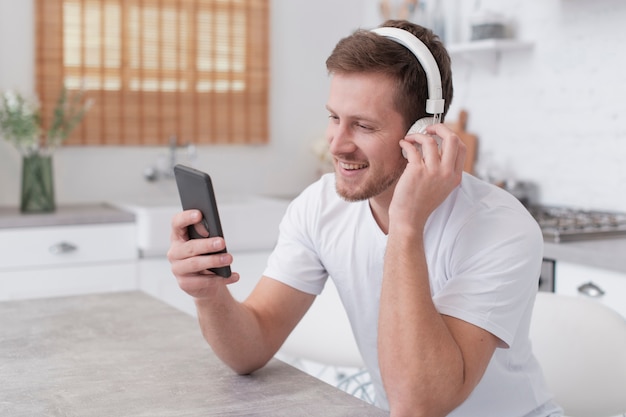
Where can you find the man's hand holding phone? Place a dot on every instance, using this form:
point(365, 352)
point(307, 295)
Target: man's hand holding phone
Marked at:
point(192, 259)
point(198, 250)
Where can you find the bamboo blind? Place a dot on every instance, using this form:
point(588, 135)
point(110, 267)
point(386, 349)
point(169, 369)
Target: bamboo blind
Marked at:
point(196, 69)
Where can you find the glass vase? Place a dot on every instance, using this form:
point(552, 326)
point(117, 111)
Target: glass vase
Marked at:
point(37, 184)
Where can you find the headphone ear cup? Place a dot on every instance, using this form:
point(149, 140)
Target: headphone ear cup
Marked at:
point(420, 125)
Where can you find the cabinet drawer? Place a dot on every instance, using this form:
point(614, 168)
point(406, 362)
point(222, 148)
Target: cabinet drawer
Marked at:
point(68, 280)
point(66, 245)
point(605, 286)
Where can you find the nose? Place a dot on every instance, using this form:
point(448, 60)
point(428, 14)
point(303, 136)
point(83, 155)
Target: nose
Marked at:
point(339, 139)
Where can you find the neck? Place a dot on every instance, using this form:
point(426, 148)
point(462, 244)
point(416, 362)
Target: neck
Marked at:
point(379, 205)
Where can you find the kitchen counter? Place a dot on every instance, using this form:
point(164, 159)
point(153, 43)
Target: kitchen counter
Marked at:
point(127, 354)
point(65, 215)
point(602, 253)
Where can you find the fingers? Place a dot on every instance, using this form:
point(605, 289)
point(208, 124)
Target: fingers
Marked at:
point(191, 264)
point(190, 255)
point(191, 259)
point(453, 150)
point(181, 249)
point(430, 175)
point(421, 147)
point(200, 264)
point(204, 286)
point(431, 149)
point(181, 221)
point(411, 150)
point(460, 159)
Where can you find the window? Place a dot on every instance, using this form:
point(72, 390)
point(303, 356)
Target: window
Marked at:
point(196, 69)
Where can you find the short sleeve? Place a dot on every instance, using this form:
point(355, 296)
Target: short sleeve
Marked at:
point(494, 271)
point(295, 260)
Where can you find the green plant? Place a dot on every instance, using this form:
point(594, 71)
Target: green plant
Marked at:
point(20, 121)
point(68, 112)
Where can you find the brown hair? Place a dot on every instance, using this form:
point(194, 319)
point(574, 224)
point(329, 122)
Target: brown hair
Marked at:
point(365, 51)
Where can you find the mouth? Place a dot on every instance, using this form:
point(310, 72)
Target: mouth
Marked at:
point(352, 166)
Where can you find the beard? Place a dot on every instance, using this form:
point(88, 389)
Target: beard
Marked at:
point(375, 183)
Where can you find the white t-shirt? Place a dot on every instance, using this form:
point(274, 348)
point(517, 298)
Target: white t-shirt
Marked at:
point(484, 255)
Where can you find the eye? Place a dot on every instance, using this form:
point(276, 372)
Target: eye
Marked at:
point(364, 127)
point(333, 118)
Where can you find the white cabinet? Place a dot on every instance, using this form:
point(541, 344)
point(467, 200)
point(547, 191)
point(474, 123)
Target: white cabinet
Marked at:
point(68, 259)
point(608, 287)
point(156, 278)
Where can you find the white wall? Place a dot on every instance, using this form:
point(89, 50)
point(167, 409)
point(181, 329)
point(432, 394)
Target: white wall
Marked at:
point(552, 115)
point(555, 114)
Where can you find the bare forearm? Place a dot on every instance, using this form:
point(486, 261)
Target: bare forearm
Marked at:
point(421, 365)
point(233, 332)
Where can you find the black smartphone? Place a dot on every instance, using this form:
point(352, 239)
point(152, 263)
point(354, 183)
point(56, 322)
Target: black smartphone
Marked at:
point(196, 192)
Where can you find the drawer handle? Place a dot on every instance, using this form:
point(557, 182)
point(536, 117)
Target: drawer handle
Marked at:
point(591, 290)
point(63, 248)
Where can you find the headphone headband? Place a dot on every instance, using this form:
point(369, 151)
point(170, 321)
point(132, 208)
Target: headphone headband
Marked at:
point(435, 101)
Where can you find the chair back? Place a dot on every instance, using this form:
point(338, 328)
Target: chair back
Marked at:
point(581, 346)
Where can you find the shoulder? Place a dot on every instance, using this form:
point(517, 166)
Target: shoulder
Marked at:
point(481, 200)
point(480, 213)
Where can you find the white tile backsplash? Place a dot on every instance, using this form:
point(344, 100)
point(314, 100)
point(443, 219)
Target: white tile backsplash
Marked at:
point(555, 114)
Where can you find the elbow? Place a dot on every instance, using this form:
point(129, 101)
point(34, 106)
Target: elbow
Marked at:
point(434, 403)
point(415, 410)
point(244, 371)
point(247, 368)
point(428, 409)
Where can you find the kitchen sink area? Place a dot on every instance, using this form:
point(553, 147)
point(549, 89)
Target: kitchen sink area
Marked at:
point(250, 222)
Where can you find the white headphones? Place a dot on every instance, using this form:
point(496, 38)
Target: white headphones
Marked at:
point(435, 101)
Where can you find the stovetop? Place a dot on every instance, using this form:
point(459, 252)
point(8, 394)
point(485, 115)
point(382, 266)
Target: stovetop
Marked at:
point(564, 224)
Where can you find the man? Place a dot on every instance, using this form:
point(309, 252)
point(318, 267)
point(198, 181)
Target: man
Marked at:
point(437, 270)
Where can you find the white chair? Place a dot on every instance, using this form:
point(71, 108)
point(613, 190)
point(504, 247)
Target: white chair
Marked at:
point(324, 334)
point(323, 345)
point(581, 345)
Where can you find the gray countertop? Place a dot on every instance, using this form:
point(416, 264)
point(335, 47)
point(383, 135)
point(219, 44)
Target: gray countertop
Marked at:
point(127, 354)
point(64, 215)
point(602, 253)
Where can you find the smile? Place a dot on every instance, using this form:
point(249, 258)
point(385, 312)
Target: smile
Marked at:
point(352, 166)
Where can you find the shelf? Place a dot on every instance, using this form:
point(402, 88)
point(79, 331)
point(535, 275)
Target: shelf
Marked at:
point(476, 50)
point(488, 45)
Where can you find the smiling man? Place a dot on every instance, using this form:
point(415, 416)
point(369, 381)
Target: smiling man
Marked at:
point(436, 269)
point(363, 131)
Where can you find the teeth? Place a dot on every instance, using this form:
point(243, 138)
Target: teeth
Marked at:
point(348, 166)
